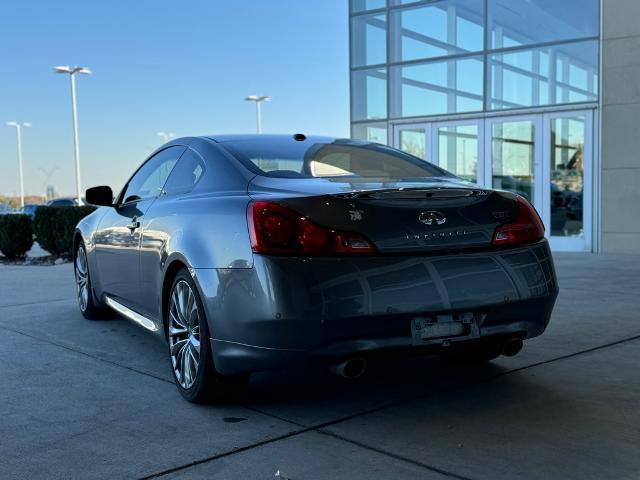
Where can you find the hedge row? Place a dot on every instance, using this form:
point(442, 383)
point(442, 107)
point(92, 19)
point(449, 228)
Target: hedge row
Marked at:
point(53, 228)
point(16, 235)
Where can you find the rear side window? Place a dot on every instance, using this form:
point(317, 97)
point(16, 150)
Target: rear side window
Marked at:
point(148, 181)
point(186, 174)
point(340, 158)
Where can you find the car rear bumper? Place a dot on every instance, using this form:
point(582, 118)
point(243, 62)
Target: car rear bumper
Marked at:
point(286, 311)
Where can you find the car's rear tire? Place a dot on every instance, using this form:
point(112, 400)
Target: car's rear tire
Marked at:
point(190, 352)
point(90, 308)
point(473, 353)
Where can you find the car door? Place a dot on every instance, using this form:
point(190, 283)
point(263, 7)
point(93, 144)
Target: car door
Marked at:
point(117, 239)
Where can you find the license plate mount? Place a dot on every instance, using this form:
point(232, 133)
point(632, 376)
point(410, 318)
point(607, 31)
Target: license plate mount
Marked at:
point(436, 328)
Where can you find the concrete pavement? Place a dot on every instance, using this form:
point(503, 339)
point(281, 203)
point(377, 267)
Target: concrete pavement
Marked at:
point(83, 399)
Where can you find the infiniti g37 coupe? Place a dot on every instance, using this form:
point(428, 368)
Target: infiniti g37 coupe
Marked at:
point(258, 252)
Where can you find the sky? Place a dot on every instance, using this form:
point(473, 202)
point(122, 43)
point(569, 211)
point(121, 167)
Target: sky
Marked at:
point(182, 67)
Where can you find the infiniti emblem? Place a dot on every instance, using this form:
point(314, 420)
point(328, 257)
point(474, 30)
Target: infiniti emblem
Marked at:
point(432, 218)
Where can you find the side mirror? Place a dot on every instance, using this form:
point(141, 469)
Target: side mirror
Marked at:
point(100, 196)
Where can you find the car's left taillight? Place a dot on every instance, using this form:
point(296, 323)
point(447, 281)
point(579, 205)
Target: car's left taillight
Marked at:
point(278, 230)
point(525, 228)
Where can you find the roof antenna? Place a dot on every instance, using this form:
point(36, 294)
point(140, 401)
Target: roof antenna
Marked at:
point(299, 137)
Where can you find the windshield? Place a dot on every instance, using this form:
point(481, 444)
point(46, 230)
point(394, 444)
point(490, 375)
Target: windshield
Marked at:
point(287, 158)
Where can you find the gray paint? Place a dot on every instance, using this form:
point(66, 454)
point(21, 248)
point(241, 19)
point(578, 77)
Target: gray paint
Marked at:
point(265, 312)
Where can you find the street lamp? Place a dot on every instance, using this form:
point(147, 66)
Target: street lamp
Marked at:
point(166, 136)
point(74, 111)
point(19, 127)
point(258, 99)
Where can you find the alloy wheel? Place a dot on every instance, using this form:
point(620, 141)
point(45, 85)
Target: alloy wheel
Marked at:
point(82, 279)
point(184, 334)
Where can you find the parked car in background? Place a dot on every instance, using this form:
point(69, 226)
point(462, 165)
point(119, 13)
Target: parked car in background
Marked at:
point(258, 252)
point(30, 209)
point(5, 209)
point(63, 202)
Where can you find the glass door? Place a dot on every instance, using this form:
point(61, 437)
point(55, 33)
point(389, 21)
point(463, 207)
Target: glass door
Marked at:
point(546, 157)
point(456, 148)
point(413, 139)
point(567, 214)
point(513, 156)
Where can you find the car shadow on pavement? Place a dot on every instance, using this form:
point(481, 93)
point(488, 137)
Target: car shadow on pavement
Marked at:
point(312, 396)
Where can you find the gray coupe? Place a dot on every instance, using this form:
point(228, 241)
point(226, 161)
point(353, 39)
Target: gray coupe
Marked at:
point(259, 252)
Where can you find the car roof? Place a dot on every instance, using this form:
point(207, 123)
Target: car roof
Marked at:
point(266, 137)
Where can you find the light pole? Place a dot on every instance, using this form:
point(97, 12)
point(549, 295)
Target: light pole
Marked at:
point(19, 127)
point(258, 99)
point(166, 136)
point(74, 111)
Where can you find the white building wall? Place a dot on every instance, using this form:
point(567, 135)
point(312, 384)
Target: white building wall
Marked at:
point(620, 145)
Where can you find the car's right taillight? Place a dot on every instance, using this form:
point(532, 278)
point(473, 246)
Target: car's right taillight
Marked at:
point(278, 230)
point(525, 228)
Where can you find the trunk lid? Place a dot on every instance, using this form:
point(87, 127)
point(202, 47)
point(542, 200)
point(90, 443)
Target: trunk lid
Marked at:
point(398, 216)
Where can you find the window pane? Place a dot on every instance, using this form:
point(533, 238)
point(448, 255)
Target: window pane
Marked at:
point(523, 22)
point(444, 28)
point(512, 150)
point(148, 181)
point(545, 76)
point(371, 132)
point(330, 159)
point(567, 176)
point(458, 150)
point(412, 140)
point(369, 94)
point(362, 5)
point(186, 174)
point(369, 40)
point(450, 86)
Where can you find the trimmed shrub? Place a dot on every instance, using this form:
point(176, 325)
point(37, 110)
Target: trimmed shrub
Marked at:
point(16, 235)
point(54, 227)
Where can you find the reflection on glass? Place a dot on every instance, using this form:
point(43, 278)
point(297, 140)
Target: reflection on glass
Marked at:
point(369, 40)
point(512, 149)
point(434, 30)
point(567, 176)
point(450, 86)
point(544, 76)
point(458, 150)
point(362, 5)
point(370, 94)
point(524, 22)
point(371, 132)
point(412, 140)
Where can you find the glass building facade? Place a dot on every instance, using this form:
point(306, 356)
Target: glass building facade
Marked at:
point(503, 93)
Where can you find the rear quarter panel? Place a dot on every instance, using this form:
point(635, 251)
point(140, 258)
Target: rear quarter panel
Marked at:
point(207, 231)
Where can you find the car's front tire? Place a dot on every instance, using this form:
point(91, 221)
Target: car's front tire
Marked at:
point(190, 353)
point(89, 306)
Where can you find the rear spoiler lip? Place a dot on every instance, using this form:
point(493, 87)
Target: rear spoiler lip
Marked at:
point(417, 193)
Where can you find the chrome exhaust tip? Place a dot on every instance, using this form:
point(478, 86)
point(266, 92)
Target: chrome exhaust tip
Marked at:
point(512, 347)
point(350, 369)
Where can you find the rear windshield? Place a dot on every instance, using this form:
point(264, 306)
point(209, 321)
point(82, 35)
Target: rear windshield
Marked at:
point(286, 158)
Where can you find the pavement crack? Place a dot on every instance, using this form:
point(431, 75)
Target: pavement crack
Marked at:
point(227, 453)
point(569, 355)
point(103, 360)
point(395, 456)
point(26, 304)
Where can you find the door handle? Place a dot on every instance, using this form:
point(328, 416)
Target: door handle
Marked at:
point(133, 225)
